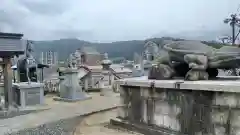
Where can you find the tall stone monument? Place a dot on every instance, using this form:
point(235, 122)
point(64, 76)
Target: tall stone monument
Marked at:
point(28, 91)
point(10, 44)
point(106, 63)
point(72, 61)
point(70, 90)
point(107, 81)
point(77, 55)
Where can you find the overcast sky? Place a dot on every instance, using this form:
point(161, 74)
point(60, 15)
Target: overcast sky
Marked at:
point(110, 20)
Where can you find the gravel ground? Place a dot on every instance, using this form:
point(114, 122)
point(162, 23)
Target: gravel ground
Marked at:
point(98, 124)
point(61, 119)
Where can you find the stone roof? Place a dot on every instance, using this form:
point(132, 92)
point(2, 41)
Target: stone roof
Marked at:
point(115, 67)
point(11, 35)
point(11, 44)
point(121, 70)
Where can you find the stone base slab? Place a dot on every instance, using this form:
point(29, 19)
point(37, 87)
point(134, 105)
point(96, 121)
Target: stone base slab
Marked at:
point(144, 129)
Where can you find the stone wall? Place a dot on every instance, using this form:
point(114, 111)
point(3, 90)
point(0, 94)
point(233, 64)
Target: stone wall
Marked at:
point(191, 112)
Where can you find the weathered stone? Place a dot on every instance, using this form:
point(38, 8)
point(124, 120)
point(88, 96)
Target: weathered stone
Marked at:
point(28, 94)
point(144, 112)
point(160, 72)
point(196, 61)
point(226, 99)
point(122, 110)
point(198, 108)
point(197, 56)
point(235, 131)
point(167, 122)
point(235, 119)
point(70, 90)
point(220, 117)
point(196, 74)
point(219, 130)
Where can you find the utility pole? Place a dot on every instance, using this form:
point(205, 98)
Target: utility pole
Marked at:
point(233, 21)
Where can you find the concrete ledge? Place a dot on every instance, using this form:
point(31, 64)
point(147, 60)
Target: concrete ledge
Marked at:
point(144, 129)
point(224, 84)
point(22, 111)
point(27, 85)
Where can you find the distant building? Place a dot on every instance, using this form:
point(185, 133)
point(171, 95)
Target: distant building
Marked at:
point(49, 58)
point(90, 56)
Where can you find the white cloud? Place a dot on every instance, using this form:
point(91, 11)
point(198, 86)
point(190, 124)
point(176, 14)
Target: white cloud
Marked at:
point(108, 20)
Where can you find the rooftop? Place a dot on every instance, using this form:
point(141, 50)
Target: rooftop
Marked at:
point(11, 35)
point(115, 67)
point(121, 70)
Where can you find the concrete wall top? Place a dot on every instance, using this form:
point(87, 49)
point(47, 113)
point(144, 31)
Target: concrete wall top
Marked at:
point(222, 85)
point(26, 85)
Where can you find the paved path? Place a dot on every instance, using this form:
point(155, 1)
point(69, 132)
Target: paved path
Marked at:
point(59, 110)
point(98, 124)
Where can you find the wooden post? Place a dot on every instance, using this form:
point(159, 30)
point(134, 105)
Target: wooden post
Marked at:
point(8, 82)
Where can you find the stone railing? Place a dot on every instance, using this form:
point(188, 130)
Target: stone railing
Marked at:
point(180, 107)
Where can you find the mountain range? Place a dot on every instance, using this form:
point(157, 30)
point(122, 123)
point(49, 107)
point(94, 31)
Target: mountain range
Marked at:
point(119, 48)
point(66, 46)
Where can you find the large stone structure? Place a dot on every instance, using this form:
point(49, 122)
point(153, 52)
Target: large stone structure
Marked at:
point(194, 60)
point(70, 90)
point(28, 90)
point(10, 44)
point(28, 94)
point(90, 56)
point(180, 107)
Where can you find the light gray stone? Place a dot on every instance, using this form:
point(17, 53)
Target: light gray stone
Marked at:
point(70, 90)
point(226, 99)
point(224, 85)
point(30, 94)
point(195, 107)
point(220, 117)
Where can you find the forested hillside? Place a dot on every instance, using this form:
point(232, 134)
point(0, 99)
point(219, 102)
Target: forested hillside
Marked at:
point(115, 49)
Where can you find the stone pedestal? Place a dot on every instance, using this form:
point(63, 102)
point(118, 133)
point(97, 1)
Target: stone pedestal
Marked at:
point(70, 90)
point(25, 94)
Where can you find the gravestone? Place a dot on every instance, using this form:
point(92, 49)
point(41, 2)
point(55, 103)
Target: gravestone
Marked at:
point(28, 94)
point(70, 90)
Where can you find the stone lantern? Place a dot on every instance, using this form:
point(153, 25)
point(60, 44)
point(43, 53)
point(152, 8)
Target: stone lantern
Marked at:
point(107, 79)
point(106, 63)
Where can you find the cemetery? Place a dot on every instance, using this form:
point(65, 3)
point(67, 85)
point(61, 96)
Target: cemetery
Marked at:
point(24, 106)
point(189, 102)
